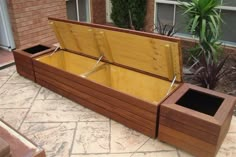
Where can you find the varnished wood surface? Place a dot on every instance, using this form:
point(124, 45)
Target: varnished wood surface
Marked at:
point(94, 107)
point(188, 129)
point(140, 51)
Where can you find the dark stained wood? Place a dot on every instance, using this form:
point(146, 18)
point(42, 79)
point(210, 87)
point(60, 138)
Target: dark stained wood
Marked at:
point(18, 147)
point(93, 92)
point(189, 129)
point(24, 63)
point(98, 109)
point(106, 90)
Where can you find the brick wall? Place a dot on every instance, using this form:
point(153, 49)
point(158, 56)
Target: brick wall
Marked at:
point(29, 20)
point(98, 11)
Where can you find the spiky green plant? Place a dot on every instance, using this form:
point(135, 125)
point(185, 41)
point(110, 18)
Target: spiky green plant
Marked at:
point(204, 23)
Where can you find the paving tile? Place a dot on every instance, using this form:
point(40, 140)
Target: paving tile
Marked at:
point(55, 138)
point(91, 137)
point(157, 154)
point(8, 71)
point(124, 139)
point(184, 154)
point(155, 145)
point(13, 117)
point(103, 155)
point(3, 79)
point(16, 78)
point(233, 125)
point(228, 148)
point(17, 95)
point(61, 111)
point(45, 94)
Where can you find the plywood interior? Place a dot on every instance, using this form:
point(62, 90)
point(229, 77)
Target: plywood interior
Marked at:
point(136, 84)
point(150, 54)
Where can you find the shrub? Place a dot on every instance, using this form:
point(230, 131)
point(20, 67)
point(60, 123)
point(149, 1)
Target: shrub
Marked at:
point(129, 13)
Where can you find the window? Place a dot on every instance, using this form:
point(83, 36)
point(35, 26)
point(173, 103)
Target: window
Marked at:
point(169, 12)
point(78, 10)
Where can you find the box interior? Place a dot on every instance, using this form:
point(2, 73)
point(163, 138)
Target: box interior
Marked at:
point(136, 84)
point(201, 102)
point(36, 49)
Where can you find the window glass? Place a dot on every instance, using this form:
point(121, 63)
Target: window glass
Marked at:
point(82, 10)
point(229, 25)
point(165, 13)
point(181, 21)
point(231, 3)
point(71, 10)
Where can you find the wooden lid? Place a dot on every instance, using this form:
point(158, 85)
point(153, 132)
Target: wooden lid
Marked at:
point(150, 53)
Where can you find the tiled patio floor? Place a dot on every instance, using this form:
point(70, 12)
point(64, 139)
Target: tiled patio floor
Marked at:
point(66, 129)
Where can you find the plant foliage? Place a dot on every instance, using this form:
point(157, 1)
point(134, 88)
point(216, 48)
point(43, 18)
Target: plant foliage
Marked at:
point(129, 13)
point(204, 23)
point(164, 29)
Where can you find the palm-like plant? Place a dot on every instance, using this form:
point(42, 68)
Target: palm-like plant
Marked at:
point(204, 23)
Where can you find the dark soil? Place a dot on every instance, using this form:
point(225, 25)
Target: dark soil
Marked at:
point(226, 85)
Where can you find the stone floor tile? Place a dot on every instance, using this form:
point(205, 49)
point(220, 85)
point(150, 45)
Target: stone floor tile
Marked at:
point(233, 125)
point(3, 79)
point(124, 139)
point(61, 111)
point(17, 95)
point(155, 145)
point(91, 137)
point(103, 155)
point(46, 94)
point(228, 148)
point(184, 154)
point(157, 154)
point(13, 117)
point(55, 138)
point(8, 71)
point(16, 78)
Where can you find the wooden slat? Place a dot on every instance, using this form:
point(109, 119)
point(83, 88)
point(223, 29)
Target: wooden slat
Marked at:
point(181, 127)
point(108, 91)
point(184, 141)
point(93, 92)
point(98, 109)
point(171, 111)
point(109, 106)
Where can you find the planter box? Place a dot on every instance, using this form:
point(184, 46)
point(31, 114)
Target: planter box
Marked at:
point(20, 146)
point(23, 59)
point(196, 120)
point(122, 74)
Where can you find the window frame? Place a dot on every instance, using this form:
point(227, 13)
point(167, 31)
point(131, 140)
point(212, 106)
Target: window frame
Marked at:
point(187, 36)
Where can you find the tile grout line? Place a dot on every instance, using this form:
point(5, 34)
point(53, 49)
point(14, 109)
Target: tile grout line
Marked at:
point(30, 107)
point(7, 79)
point(140, 146)
point(73, 141)
point(159, 151)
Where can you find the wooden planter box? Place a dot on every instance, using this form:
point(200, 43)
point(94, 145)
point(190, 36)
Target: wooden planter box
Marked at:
point(23, 58)
point(20, 146)
point(122, 74)
point(196, 120)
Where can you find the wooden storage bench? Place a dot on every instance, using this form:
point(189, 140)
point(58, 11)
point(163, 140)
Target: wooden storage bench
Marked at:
point(196, 119)
point(122, 74)
point(23, 58)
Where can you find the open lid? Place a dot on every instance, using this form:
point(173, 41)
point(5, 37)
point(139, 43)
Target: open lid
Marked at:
point(150, 53)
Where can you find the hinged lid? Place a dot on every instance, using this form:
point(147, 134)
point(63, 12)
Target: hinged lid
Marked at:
point(155, 54)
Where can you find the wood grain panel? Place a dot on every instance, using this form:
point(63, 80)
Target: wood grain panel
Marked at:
point(98, 109)
point(108, 106)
